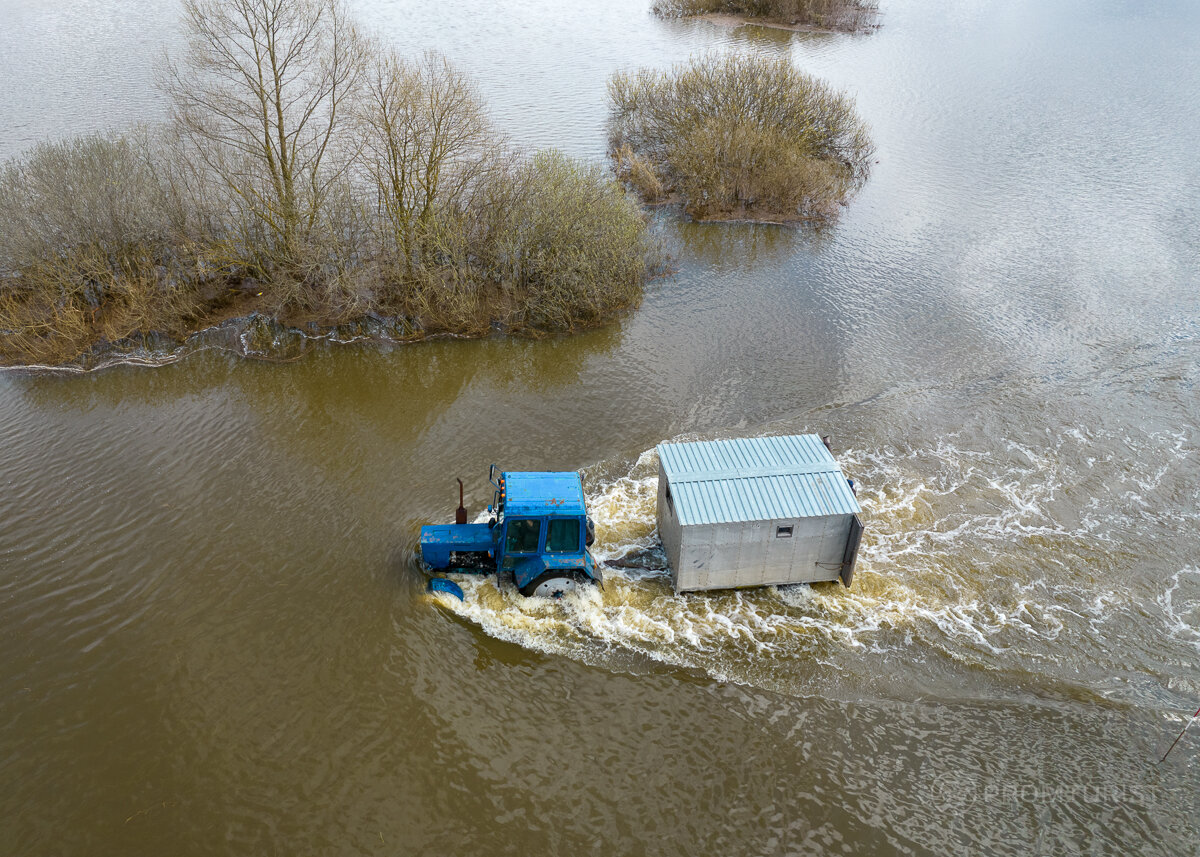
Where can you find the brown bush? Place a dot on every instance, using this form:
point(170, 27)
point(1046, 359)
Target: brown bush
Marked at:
point(543, 243)
point(577, 252)
point(740, 135)
point(95, 244)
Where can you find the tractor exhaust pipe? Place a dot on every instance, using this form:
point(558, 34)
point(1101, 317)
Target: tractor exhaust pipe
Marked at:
point(460, 514)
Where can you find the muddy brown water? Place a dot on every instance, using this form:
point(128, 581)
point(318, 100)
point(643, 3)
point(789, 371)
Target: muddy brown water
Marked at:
point(214, 640)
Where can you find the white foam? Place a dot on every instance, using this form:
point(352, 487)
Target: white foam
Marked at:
point(1180, 603)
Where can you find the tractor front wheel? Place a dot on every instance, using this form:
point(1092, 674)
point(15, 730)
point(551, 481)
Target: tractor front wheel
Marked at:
point(553, 584)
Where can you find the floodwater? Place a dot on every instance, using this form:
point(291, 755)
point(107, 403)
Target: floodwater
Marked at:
point(214, 639)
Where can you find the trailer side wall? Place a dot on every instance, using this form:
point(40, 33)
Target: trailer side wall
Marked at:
point(751, 553)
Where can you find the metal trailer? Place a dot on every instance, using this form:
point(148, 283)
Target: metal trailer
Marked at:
point(756, 512)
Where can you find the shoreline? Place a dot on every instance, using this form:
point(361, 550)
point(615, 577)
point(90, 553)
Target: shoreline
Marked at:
point(256, 336)
point(766, 218)
point(238, 321)
point(732, 22)
point(678, 206)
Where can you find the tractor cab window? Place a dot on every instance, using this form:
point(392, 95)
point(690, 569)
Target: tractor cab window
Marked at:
point(562, 535)
point(523, 536)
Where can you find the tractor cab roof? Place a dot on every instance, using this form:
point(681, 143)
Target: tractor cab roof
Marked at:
point(536, 494)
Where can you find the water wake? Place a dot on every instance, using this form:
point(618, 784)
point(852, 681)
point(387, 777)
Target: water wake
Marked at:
point(1014, 561)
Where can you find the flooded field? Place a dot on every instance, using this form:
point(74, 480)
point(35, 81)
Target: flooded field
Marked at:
point(214, 638)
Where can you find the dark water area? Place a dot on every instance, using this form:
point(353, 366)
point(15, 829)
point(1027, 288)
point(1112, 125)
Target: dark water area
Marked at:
point(214, 638)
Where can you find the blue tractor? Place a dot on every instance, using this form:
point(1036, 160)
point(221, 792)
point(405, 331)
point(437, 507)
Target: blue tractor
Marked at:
point(538, 531)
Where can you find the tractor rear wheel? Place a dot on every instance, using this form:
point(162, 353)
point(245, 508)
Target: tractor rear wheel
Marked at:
point(553, 584)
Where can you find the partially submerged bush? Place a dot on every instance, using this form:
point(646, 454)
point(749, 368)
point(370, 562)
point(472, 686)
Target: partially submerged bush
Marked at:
point(95, 242)
point(543, 243)
point(739, 136)
point(574, 250)
point(847, 15)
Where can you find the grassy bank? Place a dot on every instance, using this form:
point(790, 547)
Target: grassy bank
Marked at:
point(737, 137)
point(333, 181)
point(842, 15)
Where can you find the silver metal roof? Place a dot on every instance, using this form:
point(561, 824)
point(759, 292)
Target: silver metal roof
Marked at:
point(755, 479)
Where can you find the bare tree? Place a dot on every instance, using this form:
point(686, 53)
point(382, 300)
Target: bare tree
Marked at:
point(426, 141)
point(261, 96)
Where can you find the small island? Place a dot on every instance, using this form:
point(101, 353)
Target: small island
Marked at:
point(308, 179)
point(825, 15)
point(737, 137)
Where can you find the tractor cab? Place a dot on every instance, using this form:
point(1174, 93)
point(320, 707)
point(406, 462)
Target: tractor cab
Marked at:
point(543, 532)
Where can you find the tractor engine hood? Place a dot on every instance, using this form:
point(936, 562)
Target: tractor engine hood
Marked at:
point(438, 541)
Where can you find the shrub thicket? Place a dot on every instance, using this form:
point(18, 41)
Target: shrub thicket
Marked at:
point(738, 136)
point(96, 241)
point(309, 175)
point(846, 15)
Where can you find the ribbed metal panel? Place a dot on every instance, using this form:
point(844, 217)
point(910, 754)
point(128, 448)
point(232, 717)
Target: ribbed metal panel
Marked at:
point(755, 479)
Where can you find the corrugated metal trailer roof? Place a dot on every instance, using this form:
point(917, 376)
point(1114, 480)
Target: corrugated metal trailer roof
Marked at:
point(755, 479)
